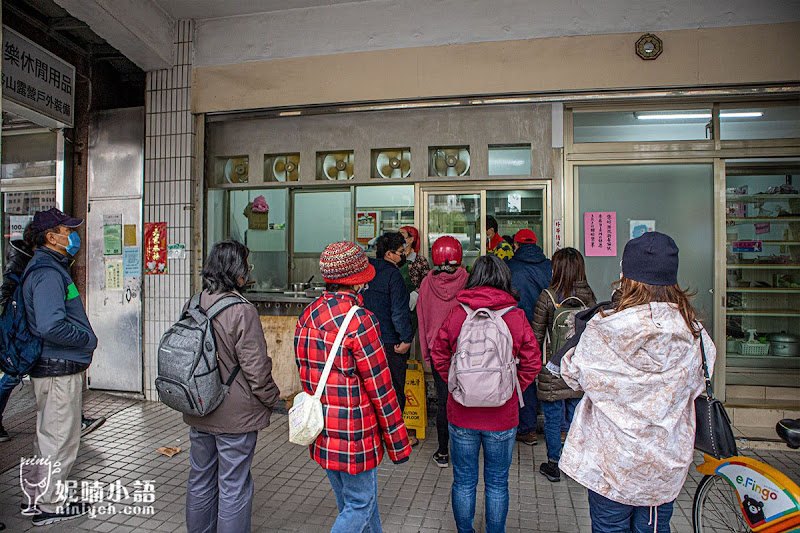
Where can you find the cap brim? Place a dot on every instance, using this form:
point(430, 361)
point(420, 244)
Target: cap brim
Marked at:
point(72, 222)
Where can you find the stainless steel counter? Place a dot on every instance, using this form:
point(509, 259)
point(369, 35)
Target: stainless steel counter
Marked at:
point(279, 304)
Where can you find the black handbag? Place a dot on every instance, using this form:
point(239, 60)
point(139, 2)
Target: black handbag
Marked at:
point(714, 433)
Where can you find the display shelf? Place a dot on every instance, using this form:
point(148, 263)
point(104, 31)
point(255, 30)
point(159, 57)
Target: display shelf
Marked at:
point(762, 312)
point(762, 266)
point(746, 220)
point(737, 198)
point(768, 290)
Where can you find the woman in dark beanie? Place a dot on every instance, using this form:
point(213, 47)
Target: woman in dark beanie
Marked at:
point(640, 368)
point(359, 404)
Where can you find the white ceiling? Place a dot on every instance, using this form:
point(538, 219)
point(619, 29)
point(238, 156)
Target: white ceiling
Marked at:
point(209, 9)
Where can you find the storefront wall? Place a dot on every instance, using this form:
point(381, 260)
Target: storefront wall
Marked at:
point(709, 174)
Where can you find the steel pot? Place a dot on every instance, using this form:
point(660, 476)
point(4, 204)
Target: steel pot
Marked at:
point(784, 344)
point(299, 287)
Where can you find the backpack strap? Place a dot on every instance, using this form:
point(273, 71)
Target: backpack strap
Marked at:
point(215, 309)
point(571, 298)
point(552, 298)
point(222, 304)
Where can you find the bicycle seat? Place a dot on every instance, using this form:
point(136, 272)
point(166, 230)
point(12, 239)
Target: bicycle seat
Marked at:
point(789, 431)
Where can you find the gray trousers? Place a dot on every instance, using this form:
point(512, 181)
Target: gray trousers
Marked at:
point(58, 431)
point(219, 493)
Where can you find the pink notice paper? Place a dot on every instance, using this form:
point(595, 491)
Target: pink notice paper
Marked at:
point(762, 227)
point(600, 233)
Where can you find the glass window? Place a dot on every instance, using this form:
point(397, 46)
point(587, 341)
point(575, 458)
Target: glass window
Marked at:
point(241, 215)
point(782, 122)
point(517, 209)
point(641, 126)
point(321, 218)
point(380, 209)
point(673, 199)
point(510, 160)
point(19, 208)
point(457, 215)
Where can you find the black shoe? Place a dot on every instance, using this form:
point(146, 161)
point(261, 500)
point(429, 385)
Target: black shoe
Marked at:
point(90, 424)
point(442, 460)
point(73, 510)
point(551, 471)
point(4, 436)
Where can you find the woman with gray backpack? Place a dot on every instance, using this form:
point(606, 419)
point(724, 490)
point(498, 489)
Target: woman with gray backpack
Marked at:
point(476, 348)
point(219, 495)
point(568, 293)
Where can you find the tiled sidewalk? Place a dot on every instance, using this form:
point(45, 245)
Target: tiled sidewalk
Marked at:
point(293, 494)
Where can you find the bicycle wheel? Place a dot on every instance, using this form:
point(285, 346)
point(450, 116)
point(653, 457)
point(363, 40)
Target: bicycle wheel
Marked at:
point(716, 509)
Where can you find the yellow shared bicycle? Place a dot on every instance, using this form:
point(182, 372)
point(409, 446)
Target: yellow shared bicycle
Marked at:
point(743, 495)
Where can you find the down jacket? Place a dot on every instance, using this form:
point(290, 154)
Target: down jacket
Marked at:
point(551, 388)
point(359, 404)
point(632, 437)
point(240, 340)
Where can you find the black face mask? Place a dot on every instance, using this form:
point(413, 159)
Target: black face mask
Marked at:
point(402, 260)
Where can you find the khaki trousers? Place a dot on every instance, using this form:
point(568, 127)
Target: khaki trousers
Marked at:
point(58, 430)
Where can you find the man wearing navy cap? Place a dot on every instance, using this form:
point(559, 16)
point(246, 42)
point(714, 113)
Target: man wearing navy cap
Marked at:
point(56, 314)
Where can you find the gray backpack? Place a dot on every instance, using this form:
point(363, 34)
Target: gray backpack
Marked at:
point(188, 370)
point(483, 370)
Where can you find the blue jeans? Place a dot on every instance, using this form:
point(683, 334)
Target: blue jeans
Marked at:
point(465, 446)
point(357, 500)
point(7, 384)
point(609, 516)
point(554, 412)
point(219, 492)
point(528, 414)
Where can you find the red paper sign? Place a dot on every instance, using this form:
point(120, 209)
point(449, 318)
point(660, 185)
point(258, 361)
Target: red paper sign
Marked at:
point(600, 233)
point(155, 248)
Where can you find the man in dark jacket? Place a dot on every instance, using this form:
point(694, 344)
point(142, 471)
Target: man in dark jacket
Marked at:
point(530, 275)
point(56, 314)
point(387, 298)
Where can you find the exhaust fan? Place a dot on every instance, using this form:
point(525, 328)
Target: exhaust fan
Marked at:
point(337, 165)
point(235, 169)
point(282, 167)
point(452, 161)
point(392, 163)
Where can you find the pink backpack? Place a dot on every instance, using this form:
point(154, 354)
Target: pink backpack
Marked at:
point(483, 369)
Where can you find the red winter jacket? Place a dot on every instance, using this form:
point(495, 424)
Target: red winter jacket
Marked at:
point(525, 348)
point(359, 403)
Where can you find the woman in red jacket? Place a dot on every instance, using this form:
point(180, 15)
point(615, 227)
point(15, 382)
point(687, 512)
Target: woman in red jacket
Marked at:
point(494, 428)
point(358, 403)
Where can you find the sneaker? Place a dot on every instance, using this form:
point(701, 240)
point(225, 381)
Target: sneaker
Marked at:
point(551, 471)
point(442, 460)
point(24, 507)
point(90, 424)
point(74, 510)
point(4, 436)
point(528, 438)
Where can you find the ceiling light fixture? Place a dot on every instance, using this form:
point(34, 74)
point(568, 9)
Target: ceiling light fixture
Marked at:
point(690, 116)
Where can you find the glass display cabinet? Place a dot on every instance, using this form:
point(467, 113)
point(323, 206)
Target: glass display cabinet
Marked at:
point(762, 276)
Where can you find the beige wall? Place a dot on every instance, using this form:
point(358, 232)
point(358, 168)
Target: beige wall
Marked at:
point(711, 56)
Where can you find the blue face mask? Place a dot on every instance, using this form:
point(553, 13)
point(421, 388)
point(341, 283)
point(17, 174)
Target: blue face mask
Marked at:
point(364, 288)
point(74, 243)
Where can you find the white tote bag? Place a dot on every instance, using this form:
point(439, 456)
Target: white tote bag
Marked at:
point(305, 417)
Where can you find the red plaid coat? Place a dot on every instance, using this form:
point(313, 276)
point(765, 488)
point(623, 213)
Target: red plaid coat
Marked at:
point(359, 403)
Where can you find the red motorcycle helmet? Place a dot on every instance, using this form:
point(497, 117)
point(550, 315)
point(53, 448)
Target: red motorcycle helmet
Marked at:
point(446, 251)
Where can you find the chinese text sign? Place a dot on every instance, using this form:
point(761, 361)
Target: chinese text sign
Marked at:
point(600, 233)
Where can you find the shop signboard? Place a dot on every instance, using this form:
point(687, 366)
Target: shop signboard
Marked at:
point(36, 79)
